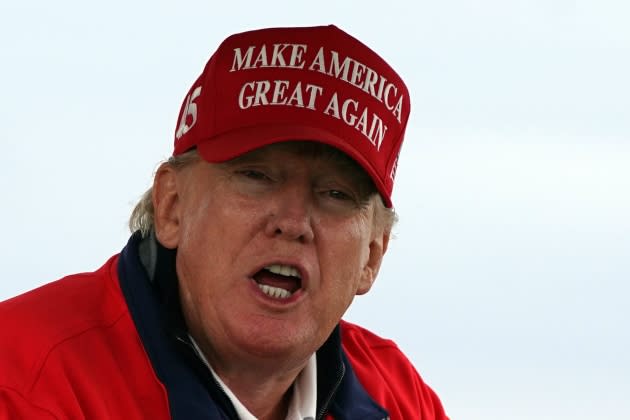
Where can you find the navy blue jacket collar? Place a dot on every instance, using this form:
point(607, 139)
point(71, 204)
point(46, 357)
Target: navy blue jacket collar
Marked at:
point(192, 391)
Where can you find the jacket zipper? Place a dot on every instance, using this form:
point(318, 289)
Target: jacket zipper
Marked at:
point(324, 408)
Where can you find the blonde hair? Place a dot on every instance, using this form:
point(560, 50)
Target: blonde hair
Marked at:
point(142, 216)
point(143, 213)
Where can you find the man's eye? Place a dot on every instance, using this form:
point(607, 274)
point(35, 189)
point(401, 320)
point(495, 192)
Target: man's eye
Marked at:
point(252, 174)
point(339, 195)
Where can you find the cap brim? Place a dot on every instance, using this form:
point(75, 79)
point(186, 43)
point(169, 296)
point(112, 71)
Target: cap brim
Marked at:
point(234, 143)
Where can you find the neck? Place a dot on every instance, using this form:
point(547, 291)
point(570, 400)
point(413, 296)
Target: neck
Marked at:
point(268, 399)
point(264, 390)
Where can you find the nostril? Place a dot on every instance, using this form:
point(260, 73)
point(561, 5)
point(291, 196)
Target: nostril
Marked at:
point(288, 227)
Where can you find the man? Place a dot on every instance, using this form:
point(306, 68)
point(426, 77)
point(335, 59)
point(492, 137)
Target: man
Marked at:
point(272, 214)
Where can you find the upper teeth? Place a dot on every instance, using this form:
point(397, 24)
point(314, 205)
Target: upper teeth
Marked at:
point(284, 270)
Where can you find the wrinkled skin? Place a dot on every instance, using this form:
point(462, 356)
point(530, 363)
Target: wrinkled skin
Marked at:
point(278, 204)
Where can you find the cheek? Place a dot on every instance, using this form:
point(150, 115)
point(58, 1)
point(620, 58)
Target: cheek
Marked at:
point(197, 250)
point(356, 243)
point(201, 225)
point(213, 237)
point(346, 259)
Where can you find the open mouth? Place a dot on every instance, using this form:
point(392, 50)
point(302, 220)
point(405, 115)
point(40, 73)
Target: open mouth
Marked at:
point(278, 281)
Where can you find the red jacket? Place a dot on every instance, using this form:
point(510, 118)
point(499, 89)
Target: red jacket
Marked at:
point(97, 346)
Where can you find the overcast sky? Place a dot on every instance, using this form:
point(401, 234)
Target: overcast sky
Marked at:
point(508, 283)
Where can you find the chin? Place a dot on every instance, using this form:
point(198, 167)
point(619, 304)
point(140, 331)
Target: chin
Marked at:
point(273, 340)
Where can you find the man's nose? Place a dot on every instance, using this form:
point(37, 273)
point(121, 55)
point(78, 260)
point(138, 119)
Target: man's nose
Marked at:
point(291, 214)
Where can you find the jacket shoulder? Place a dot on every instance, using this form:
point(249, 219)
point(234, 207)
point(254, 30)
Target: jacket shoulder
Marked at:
point(74, 352)
point(37, 321)
point(388, 375)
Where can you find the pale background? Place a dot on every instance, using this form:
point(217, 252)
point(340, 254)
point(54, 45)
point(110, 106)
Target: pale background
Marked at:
point(508, 283)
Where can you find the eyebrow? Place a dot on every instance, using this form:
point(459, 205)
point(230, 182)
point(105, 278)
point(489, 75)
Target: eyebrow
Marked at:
point(348, 167)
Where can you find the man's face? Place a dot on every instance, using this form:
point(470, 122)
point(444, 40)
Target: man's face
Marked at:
point(271, 247)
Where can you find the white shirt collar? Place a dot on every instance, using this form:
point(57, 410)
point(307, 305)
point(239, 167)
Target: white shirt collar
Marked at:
point(303, 401)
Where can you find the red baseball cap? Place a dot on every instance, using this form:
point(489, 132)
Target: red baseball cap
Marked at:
point(309, 83)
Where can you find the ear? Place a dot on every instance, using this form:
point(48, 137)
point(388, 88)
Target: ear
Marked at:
point(166, 206)
point(377, 249)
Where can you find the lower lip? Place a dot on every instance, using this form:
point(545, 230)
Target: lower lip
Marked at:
point(294, 298)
